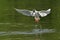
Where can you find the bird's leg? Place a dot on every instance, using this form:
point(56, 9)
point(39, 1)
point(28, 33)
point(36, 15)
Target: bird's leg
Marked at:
point(37, 20)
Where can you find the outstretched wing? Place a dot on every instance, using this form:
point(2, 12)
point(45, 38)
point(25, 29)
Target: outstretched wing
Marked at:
point(44, 13)
point(24, 12)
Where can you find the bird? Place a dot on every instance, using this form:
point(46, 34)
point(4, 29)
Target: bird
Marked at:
point(34, 13)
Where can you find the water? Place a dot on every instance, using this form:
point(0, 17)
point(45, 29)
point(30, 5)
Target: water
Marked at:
point(34, 31)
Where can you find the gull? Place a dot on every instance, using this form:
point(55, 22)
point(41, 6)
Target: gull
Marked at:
point(34, 13)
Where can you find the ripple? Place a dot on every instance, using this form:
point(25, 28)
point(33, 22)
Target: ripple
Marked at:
point(34, 31)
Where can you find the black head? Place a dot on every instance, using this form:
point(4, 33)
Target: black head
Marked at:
point(33, 10)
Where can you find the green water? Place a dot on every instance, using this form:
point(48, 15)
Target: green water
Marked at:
point(9, 15)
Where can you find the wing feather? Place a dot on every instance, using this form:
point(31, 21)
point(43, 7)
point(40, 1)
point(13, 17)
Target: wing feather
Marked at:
point(44, 13)
point(24, 12)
